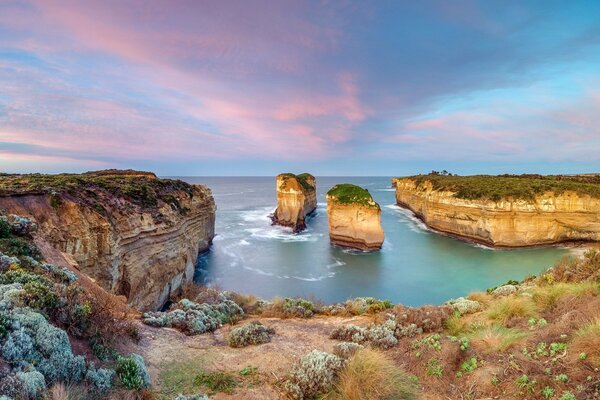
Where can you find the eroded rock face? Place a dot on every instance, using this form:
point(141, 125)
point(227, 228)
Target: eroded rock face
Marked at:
point(547, 219)
point(135, 235)
point(354, 218)
point(296, 198)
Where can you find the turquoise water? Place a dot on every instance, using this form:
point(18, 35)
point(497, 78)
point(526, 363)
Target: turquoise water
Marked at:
point(415, 266)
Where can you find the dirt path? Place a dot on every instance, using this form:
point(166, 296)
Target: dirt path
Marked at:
point(173, 359)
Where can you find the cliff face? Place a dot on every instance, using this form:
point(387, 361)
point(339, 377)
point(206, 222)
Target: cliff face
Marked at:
point(296, 198)
point(508, 222)
point(135, 235)
point(354, 221)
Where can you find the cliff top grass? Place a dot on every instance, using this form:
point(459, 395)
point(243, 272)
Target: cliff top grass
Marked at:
point(347, 193)
point(497, 187)
point(301, 178)
point(141, 188)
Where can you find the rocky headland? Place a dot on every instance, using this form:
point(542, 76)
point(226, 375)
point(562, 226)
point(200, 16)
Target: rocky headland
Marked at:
point(134, 234)
point(508, 210)
point(296, 199)
point(354, 218)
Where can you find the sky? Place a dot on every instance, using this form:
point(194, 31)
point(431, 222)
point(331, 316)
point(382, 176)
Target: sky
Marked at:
point(257, 87)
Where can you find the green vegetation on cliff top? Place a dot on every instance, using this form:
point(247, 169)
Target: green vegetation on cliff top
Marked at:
point(301, 178)
point(347, 193)
point(140, 188)
point(525, 187)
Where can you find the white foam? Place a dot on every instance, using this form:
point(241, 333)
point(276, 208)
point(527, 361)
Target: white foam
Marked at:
point(244, 242)
point(281, 233)
point(261, 214)
point(258, 271)
point(414, 223)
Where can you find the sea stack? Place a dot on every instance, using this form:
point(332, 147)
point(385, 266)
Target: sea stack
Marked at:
point(296, 198)
point(354, 218)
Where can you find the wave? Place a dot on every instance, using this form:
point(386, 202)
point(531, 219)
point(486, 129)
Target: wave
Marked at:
point(283, 234)
point(244, 242)
point(261, 214)
point(413, 223)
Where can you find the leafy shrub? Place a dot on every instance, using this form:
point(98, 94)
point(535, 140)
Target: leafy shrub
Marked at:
point(33, 383)
point(547, 392)
point(18, 247)
point(39, 296)
point(193, 318)
point(298, 308)
point(371, 375)
point(252, 333)
point(346, 350)
point(314, 375)
point(132, 372)
point(218, 381)
point(427, 318)
point(101, 378)
point(10, 385)
point(382, 336)
point(4, 229)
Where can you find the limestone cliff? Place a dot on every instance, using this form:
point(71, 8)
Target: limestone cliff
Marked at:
point(354, 218)
point(296, 198)
point(534, 218)
point(134, 234)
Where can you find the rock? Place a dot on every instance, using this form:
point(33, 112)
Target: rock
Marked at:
point(134, 234)
point(505, 290)
point(354, 218)
point(465, 306)
point(296, 198)
point(508, 222)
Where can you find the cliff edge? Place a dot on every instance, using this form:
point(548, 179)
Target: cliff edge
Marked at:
point(507, 210)
point(354, 218)
point(296, 198)
point(134, 234)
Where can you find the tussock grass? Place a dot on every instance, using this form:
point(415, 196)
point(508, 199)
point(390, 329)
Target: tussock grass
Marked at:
point(483, 298)
point(549, 296)
point(497, 338)
point(62, 391)
point(372, 375)
point(587, 340)
point(512, 306)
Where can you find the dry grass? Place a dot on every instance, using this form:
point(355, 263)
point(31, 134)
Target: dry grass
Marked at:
point(548, 297)
point(506, 308)
point(497, 338)
point(483, 298)
point(372, 375)
point(61, 391)
point(587, 340)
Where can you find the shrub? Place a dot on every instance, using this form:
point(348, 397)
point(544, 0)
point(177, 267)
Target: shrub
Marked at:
point(371, 375)
point(252, 333)
point(4, 229)
point(4, 322)
point(298, 308)
point(132, 372)
point(33, 383)
point(314, 375)
point(218, 381)
point(346, 350)
point(18, 247)
point(101, 378)
point(10, 385)
point(382, 336)
point(192, 397)
point(39, 296)
point(427, 318)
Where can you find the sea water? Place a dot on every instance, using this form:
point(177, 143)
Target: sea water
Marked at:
point(415, 266)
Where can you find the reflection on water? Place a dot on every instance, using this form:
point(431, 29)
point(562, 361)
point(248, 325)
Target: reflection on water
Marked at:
point(414, 267)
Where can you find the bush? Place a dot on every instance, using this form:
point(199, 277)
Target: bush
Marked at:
point(132, 372)
point(192, 397)
point(33, 383)
point(10, 385)
point(382, 336)
point(18, 247)
point(39, 296)
point(346, 350)
point(252, 333)
point(314, 375)
point(101, 378)
point(4, 229)
point(371, 375)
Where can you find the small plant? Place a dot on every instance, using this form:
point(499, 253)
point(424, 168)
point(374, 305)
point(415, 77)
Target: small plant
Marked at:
point(556, 348)
point(525, 383)
point(219, 381)
point(469, 365)
point(463, 343)
point(561, 378)
point(582, 356)
point(568, 396)
point(249, 334)
point(314, 375)
point(547, 392)
point(132, 372)
point(434, 368)
point(495, 381)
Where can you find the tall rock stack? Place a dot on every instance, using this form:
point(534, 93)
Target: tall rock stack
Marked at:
point(354, 218)
point(296, 199)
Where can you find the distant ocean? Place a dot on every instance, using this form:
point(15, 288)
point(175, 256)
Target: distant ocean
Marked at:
point(415, 266)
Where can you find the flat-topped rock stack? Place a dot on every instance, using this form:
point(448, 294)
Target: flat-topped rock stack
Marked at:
point(354, 218)
point(296, 199)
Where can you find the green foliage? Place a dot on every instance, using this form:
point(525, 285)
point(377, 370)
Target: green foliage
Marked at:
point(495, 188)
point(39, 296)
point(219, 381)
point(568, 396)
point(132, 372)
point(303, 180)
point(4, 229)
point(469, 365)
point(18, 247)
point(4, 323)
point(547, 392)
point(561, 378)
point(298, 307)
point(347, 193)
point(582, 356)
point(525, 383)
point(434, 368)
point(249, 334)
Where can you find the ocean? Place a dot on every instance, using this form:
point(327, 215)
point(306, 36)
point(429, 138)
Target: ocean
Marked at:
point(415, 266)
